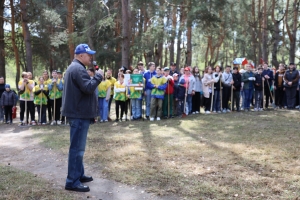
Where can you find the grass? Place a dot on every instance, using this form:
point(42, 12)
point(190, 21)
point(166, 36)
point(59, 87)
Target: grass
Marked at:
point(227, 156)
point(16, 184)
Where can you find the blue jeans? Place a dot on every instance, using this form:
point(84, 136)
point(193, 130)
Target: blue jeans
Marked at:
point(189, 101)
point(248, 97)
point(217, 101)
point(109, 102)
point(242, 95)
point(103, 108)
point(148, 102)
point(78, 135)
point(136, 108)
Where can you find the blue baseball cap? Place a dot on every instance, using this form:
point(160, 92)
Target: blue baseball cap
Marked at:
point(84, 48)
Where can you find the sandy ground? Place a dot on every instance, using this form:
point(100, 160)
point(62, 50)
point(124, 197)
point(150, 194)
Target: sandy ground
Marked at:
point(21, 150)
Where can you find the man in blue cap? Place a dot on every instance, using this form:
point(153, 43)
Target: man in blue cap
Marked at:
point(78, 105)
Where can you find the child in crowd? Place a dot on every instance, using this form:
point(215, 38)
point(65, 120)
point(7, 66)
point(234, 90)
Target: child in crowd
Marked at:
point(258, 89)
point(196, 98)
point(25, 87)
point(135, 95)
point(120, 97)
point(217, 75)
point(40, 100)
point(237, 79)
point(168, 98)
point(9, 101)
point(208, 81)
point(55, 95)
point(180, 96)
point(227, 84)
point(190, 83)
point(104, 90)
point(176, 82)
point(158, 85)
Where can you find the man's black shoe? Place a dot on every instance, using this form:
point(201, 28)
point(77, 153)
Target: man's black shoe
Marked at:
point(79, 188)
point(85, 179)
point(147, 117)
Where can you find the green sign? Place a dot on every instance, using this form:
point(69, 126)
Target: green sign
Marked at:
point(136, 79)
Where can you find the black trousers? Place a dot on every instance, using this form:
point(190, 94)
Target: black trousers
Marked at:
point(30, 109)
point(43, 113)
point(268, 95)
point(207, 102)
point(127, 106)
point(225, 97)
point(57, 108)
point(196, 102)
point(291, 96)
point(8, 113)
point(279, 94)
point(49, 109)
point(236, 100)
point(120, 104)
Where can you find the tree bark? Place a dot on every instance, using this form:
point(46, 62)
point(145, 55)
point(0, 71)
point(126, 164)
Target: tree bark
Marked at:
point(189, 46)
point(13, 40)
point(265, 33)
point(2, 43)
point(172, 42)
point(292, 33)
point(26, 35)
point(70, 28)
point(125, 32)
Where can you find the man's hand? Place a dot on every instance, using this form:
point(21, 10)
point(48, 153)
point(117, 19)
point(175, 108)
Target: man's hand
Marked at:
point(274, 87)
point(193, 92)
point(232, 82)
point(290, 83)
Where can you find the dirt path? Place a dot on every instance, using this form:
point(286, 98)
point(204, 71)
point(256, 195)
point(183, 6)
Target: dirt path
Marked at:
point(21, 150)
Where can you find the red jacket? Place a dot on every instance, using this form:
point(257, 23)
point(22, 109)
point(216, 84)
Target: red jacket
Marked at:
point(170, 87)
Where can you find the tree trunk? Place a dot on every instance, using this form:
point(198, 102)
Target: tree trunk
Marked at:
point(292, 33)
point(70, 27)
point(2, 43)
point(265, 33)
point(26, 35)
point(254, 32)
point(172, 42)
point(125, 32)
point(276, 37)
point(189, 46)
point(182, 23)
point(13, 40)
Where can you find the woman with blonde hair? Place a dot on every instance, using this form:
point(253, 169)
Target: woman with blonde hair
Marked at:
point(207, 82)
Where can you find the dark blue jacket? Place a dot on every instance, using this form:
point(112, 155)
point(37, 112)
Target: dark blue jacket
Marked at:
point(270, 74)
point(258, 82)
point(79, 99)
point(175, 89)
point(8, 98)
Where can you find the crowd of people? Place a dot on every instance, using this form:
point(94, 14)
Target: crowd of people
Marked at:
point(165, 93)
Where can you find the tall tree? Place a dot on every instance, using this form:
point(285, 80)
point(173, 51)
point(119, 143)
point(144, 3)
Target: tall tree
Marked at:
point(26, 35)
point(125, 32)
point(265, 33)
point(70, 27)
point(292, 31)
point(13, 40)
point(2, 43)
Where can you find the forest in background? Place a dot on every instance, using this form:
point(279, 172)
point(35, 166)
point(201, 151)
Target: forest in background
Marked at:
point(42, 34)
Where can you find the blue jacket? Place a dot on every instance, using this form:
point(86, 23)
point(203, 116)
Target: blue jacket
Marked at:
point(79, 99)
point(175, 89)
point(180, 94)
point(270, 74)
point(148, 75)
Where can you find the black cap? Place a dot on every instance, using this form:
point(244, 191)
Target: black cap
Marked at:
point(291, 63)
point(173, 64)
